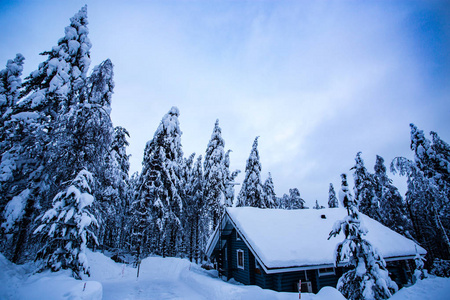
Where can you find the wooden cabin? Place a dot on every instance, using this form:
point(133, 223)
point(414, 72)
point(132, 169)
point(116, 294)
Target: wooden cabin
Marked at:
point(275, 248)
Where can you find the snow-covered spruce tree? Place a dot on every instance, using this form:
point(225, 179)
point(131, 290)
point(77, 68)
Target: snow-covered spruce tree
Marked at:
point(284, 202)
point(419, 203)
point(365, 195)
point(215, 175)
point(251, 193)
point(427, 196)
point(441, 165)
point(229, 181)
point(332, 199)
point(392, 208)
point(115, 196)
point(193, 218)
point(67, 227)
point(441, 159)
point(48, 93)
point(419, 272)
point(10, 82)
point(81, 138)
point(318, 206)
point(270, 198)
point(160, 183)
point(58, 82)
point(141, 229)
point(345, 197)
point(295, 200)
point(369, 278)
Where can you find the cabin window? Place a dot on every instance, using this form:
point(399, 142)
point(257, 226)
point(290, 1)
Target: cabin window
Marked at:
point(257, 267)
point(326, 271)
point(240, 259)
point(226, 253)
point(238, 238)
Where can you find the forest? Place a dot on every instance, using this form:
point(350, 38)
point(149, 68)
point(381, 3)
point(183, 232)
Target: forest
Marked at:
point(65, 183)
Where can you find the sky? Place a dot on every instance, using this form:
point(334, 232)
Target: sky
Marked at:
point(317, 81)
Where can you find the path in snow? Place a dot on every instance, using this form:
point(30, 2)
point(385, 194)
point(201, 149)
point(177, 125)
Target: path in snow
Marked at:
point(169, 278)
point(149, 289)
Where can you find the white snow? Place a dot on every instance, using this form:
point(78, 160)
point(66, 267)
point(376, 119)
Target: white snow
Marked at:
point(437, 288)
point(15, 209)
point(163, 278)
point(294, 238)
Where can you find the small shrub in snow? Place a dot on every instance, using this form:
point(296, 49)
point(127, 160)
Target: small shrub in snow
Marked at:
point(419, 273)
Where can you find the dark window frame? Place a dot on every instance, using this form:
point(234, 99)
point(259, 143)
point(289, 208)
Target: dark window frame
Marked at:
point(240, 259)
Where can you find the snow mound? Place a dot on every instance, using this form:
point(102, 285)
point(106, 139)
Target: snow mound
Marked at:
point(328, 292)
point(18, 282)
point(437, 288)
point(163, 278)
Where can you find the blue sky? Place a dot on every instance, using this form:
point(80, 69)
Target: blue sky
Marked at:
point(318, 81)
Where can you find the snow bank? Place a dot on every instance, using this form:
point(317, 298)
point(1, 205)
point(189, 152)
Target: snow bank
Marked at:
point(437, 288)
point(163, 278)
point(18, 282)
point(328, 292)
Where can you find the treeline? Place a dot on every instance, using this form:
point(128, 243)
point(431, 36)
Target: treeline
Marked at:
point(424, 214)
point(64, 182)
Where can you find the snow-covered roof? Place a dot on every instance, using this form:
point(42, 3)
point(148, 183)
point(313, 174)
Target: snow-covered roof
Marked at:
point(299, 238)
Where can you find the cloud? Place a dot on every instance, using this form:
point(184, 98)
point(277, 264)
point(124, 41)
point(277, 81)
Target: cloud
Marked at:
point(317, 81)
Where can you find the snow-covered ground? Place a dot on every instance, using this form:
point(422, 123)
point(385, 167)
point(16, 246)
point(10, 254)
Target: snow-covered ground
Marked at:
point(168, 278)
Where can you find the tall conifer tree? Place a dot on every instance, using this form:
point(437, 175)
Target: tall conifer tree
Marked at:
point(368, 278)
point(215, 175)
point(270, 198)
point(332, 199)
point(365, 189)
point(392, 209)
point(160, 183)
point(427, 195)
point(251, 193)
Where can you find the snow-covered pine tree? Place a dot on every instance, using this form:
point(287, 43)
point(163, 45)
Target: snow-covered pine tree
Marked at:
point(48, 92)
point(186, 197)
point(332, 199)
point(392, 208)
point(441, 165)
point(215, 175)
point(141, 229)
point(365, 195)
point(229, 180)
point(318, 206)
point(441, 159)
point(369, 278)
point(419, 272)
point(284, 202)
point(419, 202)
point(10, 82)
point(59, 81)
point(160, 183)
point(115, 196)
point(194, 211)
point(345, 197)
point(68, 226)
point(295, 200)
point(270, 198)
point(251, 193)
point(427, 195)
